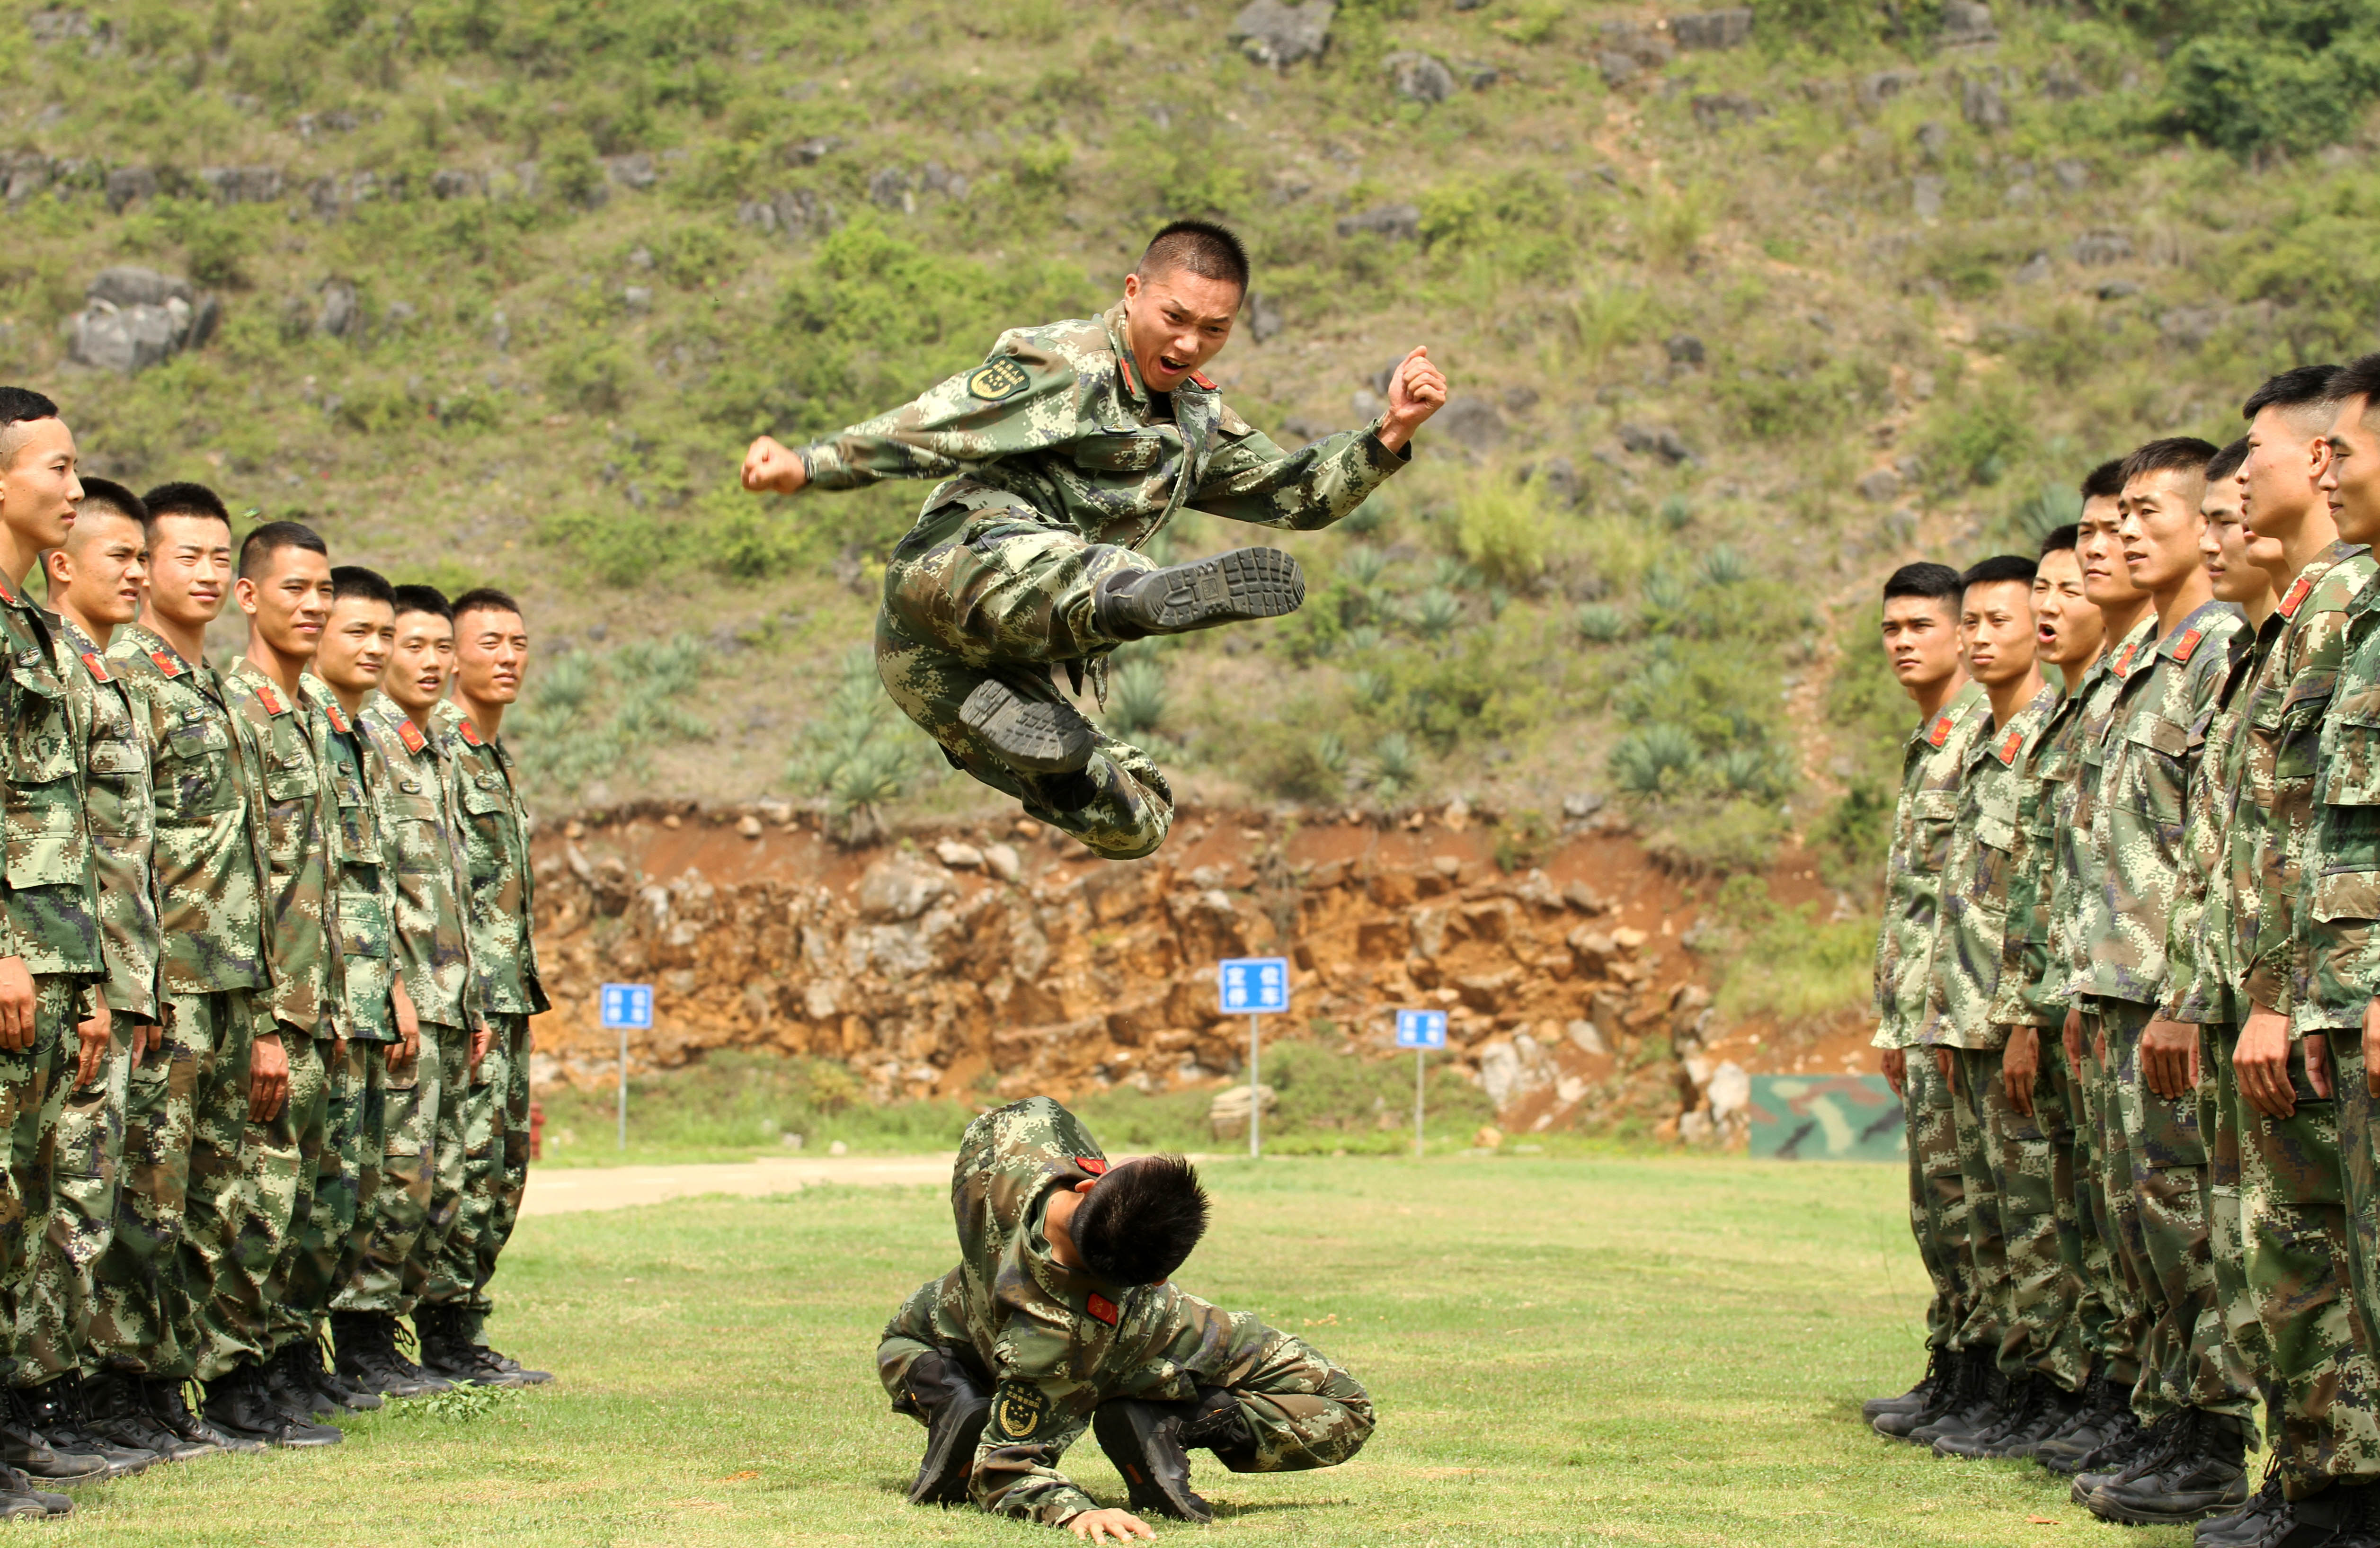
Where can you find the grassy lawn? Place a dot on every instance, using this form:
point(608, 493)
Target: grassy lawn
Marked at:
point(1563, 1351)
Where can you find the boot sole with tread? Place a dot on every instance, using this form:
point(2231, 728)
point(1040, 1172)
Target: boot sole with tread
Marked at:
point(1034, 735)
point(1236, 587)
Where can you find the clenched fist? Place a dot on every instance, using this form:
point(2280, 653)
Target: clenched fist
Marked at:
point(1416, 391)
point(770, 465)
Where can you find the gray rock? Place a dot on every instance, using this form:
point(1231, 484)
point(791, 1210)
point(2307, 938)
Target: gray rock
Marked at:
point(1881, 86)
point(1685, 349)
point(1615, 67)
point(790, 213)
point(1418, 77)
point(889, 190)
point(1472, 423)
point(1881, 486)
point(341, 314)
point(2098, 248)
point(2060, 84)
point(1981, 104)
point(2192, 327)
point(398, 314)
point(810, 153)
point(941, 179)
point(2032, 271)
point(1933, 139)
point(1520, 399)
point(126, 184)
point(1651, 50)
point(1719, 109)
point(129, 286)
point(1967, 23)
point(2117, 289)
point(454, 182)
point(901, 886)
point(1557, 479)
point(1673, 448)
point(637, 298)
point(1398, 223)
point(2073, 176)
point(1264, 317)
point(1581, 805)
point(24, 175)
point(1926, 196)
point(1727, 28)
point(1479, 76)
point(242, 184)
point(133, 318)
point(338, 121)
point(1272, 33)
point(636, 171)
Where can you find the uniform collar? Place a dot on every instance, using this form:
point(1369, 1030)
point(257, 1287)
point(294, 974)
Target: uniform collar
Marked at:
point(2182, 641)
point(1127, 372)
point(1934, 729)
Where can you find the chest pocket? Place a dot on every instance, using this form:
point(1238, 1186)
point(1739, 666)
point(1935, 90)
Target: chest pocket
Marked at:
point(487, 810)
point(2154, 777)
point(1125, 451)
point(290, 776)
point(359, 839)
point(41, 740)
point(420, 838)
point(1932, 814)
point(2349, 759)
point(193, 775)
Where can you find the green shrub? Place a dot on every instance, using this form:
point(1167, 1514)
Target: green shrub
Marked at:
point(1506, 531)
point(1602, 623)
point(1136, 698)
point(1654, 760)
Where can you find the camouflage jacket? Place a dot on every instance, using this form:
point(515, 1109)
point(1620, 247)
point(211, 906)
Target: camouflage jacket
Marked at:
point(367, 881)
point(2045, 794)
point(2080, 866)
point(2137, 802)
point(502, 916)
point(290, 736)
point(2337, 915)
point(2202, 971)
point(1978, 874)
point(1930, 764)
point(425, 849)
point(51, 916)
point(120, 819)
point(208, 864)
point(1057, 416)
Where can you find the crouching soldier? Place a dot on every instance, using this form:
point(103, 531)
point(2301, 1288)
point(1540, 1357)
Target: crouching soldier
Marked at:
point(1061, 1313)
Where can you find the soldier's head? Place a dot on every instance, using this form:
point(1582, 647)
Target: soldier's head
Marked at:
point(2158, 521)
point(2104, 579)
point(38, 486)
point(2239, 562)
point(360, 632)
point(189, 553)
point(1135, 1224)
point(1921, 625)
point(98, 575)
point(422, 661)
point(1180, 298)
point(1996, 616)
point(2352, 480)
point(490, 646)
point(2289, 450)
point(285, 587)
point(2067, 628)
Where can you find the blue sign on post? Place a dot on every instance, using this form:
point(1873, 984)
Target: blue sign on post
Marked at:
point(629, 1005)
point(1255, 985)
point(1421, 1029)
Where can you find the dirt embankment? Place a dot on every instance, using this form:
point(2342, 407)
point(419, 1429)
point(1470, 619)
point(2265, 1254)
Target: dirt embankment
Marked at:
point(1571, 997)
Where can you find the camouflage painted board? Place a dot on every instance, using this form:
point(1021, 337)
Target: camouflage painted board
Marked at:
point(1826, 1117)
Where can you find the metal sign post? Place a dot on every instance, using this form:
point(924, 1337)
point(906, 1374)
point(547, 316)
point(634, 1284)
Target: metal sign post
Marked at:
point(629, 1007)
point(1254, 987)
point(1420, 1031)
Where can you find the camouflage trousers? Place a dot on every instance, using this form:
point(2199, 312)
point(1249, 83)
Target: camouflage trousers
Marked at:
point(998, 593)
point(323, 1229)
point(32, 1090)
point(86, 1157)
point(392, 1224)
point(1985, 1325)
point(1937, 1204)
point(2112, 1323)
point(245, 1182)
point(2032, 1172)
point(494, 1117)
point(2156, 1180)
point(2292, 1270)
point(1304, 1410)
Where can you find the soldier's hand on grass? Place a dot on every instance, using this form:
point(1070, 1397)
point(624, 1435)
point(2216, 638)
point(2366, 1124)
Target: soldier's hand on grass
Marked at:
point(1416, 391)
point(2262, 1064)
point(2169, 1058)
point(16, 1003)
point(93, 1035)
point(1100, 1526)
point(2021, 1066)
point(1893, 1062)
point(268, 1078)
point(769, 465)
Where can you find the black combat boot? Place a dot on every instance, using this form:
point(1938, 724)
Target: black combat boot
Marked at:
point(1982, 1405)
point(369, 1361)
point(58, 1413)
point(1959, 1390)
point(942, 1390)
point(114, 1410)
point(1149, 1443)
point(508, 1371)
point(170, 1407)
point(2342, 1516)
point(2020, 1402)
point(308, 1360)
point(2267, 1509)
point(444, 1354)
point(20, 1499)
point(286, 1382)
point(1236, 587)
point(1032, 735)
point(2052, 1409)
point(1940, 1363)
point(2145, 1448)
point(2205, 1473)
point(241, 1405)
point(2106, 1419)
point(24, 1447)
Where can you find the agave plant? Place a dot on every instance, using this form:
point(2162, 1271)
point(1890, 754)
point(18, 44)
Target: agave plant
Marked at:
point(1602, 623)
point(1436, 613)
point(1136, 697)
point(1644, 762)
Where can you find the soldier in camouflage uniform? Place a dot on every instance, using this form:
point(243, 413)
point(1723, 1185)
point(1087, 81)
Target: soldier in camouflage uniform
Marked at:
point(2023, 1312)
point(2194, 1389)
point(1920, 629)
point(1055, 1320)
point(423, 1175)
point(491, 652)
point(1069, 448)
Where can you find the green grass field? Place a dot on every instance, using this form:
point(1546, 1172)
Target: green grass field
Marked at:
point(1562, 1352)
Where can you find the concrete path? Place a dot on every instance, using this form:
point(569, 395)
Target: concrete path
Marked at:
point(561, 1190)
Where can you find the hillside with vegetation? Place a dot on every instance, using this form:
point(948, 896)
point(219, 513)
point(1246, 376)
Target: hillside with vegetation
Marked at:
point(1741, 309)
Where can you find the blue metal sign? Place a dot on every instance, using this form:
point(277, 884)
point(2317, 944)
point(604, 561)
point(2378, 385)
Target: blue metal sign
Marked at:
point(1254, 985)
point(1421, 1029)
point(629, 1006)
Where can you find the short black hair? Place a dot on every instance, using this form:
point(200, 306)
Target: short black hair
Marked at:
point(1998, 569)
point(2061, 540)
point(109, 495)
point(485, 599)
point(2104, 482)
point(2225, 463)
point(421, 599)
point(1925, 578)
point(2360, 378)
point(19, 405)
point(272, 537)
point(184, 498)
point(2171, 454)
point(1139, 1222)
point(1200, 246)
point(2304, 386)
point(354, 580)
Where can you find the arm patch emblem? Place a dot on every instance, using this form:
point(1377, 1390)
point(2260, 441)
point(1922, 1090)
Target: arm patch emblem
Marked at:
point(1018, 1411)
point(998, 382)
point(1092, 1164)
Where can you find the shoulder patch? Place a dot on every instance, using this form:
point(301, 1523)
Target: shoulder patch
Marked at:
point(410, 735)
point(1018, 1411)
point(2123, 667)
point(96, 664)
point(1101, 1308)
point(2187, 646)
point(167, 663)
point(2299, 592)
point(2006, 753)
point(1941, 732)
point(1092, 1164)
point(1002, 380)
point(1200, 378)
point(337, 717)
point(470, 734)
point(269, 699)
point(7, 594)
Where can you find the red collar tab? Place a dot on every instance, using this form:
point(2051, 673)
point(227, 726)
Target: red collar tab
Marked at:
point(410, 735)
point(1941, 732)
point(338, 719)
point(1098, 1306)
point(2008, 749)
point(2299, 592)
point(1092, 1164)
point(7, 594)
point(168, 663)
point(1131, 374)
point(96, 664)
point(2124, 662)
point(2187, 645)
point(272, 701)
point(471, 734)
point(1202, 381)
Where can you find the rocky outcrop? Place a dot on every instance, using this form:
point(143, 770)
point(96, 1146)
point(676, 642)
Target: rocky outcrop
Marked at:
point(133, 318)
